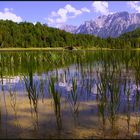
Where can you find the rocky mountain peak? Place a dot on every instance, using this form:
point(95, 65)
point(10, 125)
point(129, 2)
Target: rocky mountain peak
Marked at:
point(112, 25)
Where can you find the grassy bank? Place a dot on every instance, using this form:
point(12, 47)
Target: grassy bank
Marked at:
point(46, 49)
point(60, 48)
point(30, 49)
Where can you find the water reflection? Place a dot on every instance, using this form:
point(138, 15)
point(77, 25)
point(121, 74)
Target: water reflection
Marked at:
point(77, 94)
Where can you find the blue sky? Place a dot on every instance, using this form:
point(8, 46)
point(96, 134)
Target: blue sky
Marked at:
point(57, 13)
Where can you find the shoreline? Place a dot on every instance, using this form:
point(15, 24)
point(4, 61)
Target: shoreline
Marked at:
point(60, 49)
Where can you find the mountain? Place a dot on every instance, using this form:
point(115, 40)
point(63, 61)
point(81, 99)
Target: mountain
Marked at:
point(112, 25)
point(69, 28)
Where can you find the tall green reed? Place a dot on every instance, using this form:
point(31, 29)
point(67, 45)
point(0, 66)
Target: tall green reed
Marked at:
point(56, 96)
point(33, 95)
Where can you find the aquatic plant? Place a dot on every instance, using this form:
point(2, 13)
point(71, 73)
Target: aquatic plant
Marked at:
point(32, 92)
point(33, 96)
point(74, 96)
point(13, 102)
point(114, 102)
point(56, 96)
point(108, 88)
point(41, 87)
point(102, 99)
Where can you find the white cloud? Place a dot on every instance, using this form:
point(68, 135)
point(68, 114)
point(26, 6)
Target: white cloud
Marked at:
point(84, 9)
point(134, 5)
point(54, 14)
point(9, 15)
point(101, 7)
point(71, 9)
point(63, 14)
point(50, 20)
point(8, 9)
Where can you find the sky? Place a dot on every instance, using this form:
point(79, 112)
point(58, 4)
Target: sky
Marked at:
point(57, 13)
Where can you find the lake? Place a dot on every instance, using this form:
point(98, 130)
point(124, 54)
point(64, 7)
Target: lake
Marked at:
point(70, 94)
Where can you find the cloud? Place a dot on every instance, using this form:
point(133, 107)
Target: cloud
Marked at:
point(8, 9)
point(84, 9)
point(9, 15)
point(54, 14)
point(101, 7)
point(71, 9)
point(63, 14)
point(50, 20)
point(134, 5)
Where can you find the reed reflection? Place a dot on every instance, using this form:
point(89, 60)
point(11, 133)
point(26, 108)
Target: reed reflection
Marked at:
point(98, 91)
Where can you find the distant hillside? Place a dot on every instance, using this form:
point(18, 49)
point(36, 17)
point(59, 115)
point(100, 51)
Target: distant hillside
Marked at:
point(132, 34)
point(132, 39)
point(28, 35)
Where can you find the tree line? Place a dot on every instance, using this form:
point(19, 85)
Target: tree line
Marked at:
point(26, 35)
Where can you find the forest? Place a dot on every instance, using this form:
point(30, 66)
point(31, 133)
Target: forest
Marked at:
point(28, 35)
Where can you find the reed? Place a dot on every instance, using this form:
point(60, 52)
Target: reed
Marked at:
point(13, 102)
point(101, 98)
point(74, 96)
point(41, 87)
point(33, 96)
point(56, 96)
point(32, 92)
